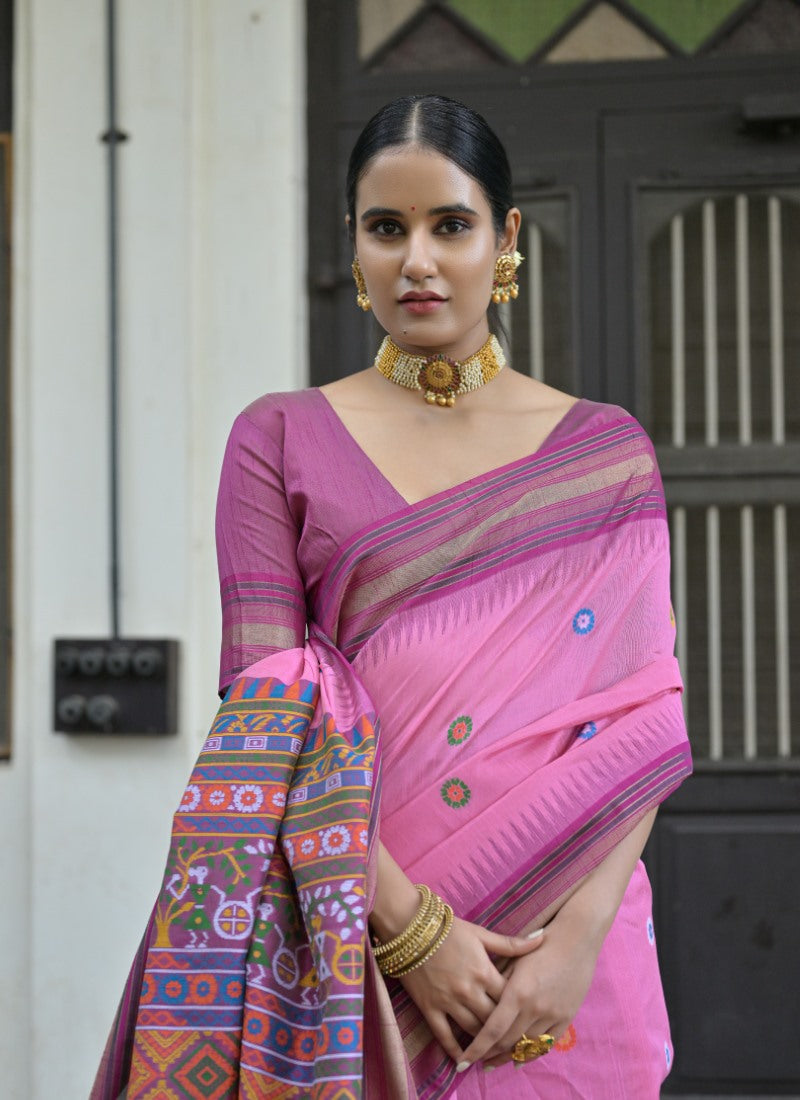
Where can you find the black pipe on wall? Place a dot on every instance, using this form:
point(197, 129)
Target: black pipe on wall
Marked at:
point(113, 138)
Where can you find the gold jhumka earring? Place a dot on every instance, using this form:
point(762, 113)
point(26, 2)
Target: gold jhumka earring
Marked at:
point(361, 287)
point(505, 276)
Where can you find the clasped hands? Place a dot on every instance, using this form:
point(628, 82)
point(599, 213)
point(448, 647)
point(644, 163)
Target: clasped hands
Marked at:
point(496, 987)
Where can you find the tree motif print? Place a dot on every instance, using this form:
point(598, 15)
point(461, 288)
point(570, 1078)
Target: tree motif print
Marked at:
point(190, 864)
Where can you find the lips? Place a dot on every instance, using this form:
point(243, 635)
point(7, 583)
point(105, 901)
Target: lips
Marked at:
point(421, 303)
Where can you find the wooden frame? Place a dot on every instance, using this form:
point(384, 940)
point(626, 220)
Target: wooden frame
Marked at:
point(5, 445)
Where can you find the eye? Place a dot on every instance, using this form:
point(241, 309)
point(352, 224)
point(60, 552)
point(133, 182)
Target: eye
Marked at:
point(385, 228)
point(450, 227)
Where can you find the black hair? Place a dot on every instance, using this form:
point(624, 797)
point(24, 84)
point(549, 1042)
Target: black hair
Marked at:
point(448, 127)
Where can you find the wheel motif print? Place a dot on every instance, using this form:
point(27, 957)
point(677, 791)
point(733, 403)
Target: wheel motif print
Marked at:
point(348, 963)
point(233, 920)
point(285, 968)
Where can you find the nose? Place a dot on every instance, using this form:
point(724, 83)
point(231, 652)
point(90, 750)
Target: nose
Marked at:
point(419, 262)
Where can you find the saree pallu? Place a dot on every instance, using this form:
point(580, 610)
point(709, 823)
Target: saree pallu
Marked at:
point(515, 637)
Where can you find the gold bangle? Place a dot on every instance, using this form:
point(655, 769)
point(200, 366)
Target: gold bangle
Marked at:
point(427, 906)
point(443, 933)
point(415, 947)
point(421, 938)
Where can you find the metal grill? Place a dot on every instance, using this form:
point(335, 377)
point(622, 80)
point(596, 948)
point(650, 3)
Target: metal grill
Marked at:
point(719, 332)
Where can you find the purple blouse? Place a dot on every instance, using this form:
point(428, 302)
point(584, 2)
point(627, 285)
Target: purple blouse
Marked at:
point(294, 486)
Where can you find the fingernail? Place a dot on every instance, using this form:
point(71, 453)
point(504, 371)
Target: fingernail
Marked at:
point(488, 1069)
point(535, 935)
point(462, 1066)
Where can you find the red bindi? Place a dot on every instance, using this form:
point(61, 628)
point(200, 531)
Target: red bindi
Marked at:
point(413, 208)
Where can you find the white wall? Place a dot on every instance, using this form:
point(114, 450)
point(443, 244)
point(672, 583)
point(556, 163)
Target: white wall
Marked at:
point(212, 314)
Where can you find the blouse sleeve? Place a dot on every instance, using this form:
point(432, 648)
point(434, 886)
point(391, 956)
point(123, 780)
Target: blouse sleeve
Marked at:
point(263, 599)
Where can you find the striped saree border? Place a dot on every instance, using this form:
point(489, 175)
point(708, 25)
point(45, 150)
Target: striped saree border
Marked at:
point(566, 863)
point(463, 498)
point(506, 497)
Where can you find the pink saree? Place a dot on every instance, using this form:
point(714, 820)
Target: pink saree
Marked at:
point(488, 686)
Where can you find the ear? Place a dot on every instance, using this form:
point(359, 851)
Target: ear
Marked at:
point(349, 226)
point(508, 238)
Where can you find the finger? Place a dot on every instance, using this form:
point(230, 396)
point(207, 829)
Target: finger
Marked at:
point(494, 984)
point(505, 1043)
point(484, 1006)
point(440, 1028)
point(466, 1020)
point(489, 1042)
point(511, 946)
point(498, 1060)
point(501, 1057)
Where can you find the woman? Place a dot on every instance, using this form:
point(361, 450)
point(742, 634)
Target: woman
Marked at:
point(469, 747)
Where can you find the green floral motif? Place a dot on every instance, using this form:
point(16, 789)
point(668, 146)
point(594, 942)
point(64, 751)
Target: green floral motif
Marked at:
point(456, 793)
point(459, 730)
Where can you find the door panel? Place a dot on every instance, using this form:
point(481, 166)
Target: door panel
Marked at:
point(703, 232)
point(730, 951)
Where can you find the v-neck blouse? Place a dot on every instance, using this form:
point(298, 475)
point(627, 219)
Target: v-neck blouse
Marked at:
point(295, 486)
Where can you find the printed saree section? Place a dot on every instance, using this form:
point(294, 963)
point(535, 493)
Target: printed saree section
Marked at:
point(250, 978)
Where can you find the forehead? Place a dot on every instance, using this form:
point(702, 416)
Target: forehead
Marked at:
point(402, 177)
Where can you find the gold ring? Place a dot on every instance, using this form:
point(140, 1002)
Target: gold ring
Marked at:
point(525, 1049)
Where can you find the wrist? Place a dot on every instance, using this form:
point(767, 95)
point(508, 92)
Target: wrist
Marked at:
point(393, 914)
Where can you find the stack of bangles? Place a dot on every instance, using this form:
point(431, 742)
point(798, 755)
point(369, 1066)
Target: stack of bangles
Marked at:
point(421, 939)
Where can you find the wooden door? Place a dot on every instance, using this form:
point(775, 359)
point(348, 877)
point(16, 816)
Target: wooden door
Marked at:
point(703, 212)
point(661, 206)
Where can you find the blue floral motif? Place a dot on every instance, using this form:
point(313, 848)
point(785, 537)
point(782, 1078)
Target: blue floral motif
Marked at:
point(667, 1055)
point(583, 623)
point(651, 932)
point(587, 732)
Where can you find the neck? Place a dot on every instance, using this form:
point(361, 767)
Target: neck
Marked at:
point(459, 350)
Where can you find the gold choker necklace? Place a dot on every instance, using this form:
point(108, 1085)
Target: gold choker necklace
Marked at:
point(440, 378)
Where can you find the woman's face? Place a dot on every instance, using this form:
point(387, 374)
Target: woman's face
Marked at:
point(427, 247)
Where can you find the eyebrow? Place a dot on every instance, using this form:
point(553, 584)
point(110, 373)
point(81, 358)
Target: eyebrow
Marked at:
point(387, 212)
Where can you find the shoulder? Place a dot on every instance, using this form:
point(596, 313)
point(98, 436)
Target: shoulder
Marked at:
point(613, 434)
point(274, 406)
point(270, 415)
point(599, 414)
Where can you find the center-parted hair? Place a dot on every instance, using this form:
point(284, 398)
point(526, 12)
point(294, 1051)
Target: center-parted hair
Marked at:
point(447, 127)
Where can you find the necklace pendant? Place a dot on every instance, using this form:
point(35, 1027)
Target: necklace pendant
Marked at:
point(443, 400)
point(440, 378)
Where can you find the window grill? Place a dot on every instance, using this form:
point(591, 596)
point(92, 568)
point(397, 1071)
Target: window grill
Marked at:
point(722, 341)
